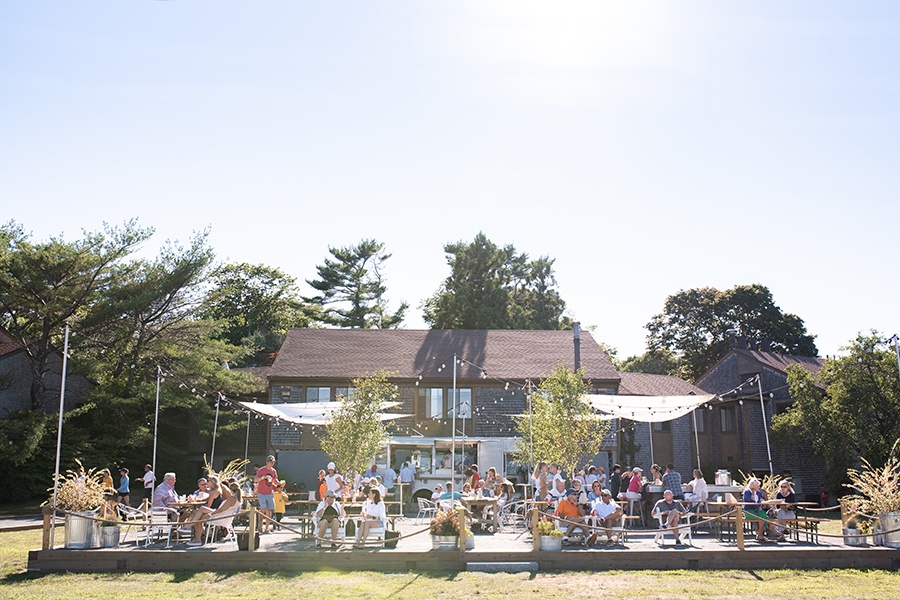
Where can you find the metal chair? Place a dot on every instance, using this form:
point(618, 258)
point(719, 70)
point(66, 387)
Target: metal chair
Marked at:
point(427, 509)
point(512, 514)
point(225, 522)
point(159, 522)
point(661, 535)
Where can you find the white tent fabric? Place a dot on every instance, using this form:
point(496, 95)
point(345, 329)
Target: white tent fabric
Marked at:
point(314, 413)
point(647, 409)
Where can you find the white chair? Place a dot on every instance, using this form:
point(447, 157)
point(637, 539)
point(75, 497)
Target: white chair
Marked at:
point(224, 521)
point(129, 515)
point(512, 514)
point(618, 532)
point(374, 532)
point(632, 502)
point(159, 522)
point(427, 510)
point(682, 531)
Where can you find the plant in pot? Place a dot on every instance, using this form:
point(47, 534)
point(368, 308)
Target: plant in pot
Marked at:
point(550, 536)
point(878, 494)
point(79, 494)
point(444, 529)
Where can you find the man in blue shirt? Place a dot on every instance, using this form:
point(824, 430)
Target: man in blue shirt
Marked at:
point(671, 481)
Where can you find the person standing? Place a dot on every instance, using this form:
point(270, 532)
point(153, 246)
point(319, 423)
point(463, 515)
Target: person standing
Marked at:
point(124, 488)
point(615, 481)
point(407, 477)
point(148, 479)
point(266, 479)
point(388, 478)
point(334, 481)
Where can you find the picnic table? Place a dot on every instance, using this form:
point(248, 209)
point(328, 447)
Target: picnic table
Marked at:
point(479, 507)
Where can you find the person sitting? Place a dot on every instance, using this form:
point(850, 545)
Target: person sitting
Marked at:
point(467, 491)
point(437, 493)
point(596, 491)
point(753, 509)
point(449, 498)
point(491, 478)
point(671, 511)
point(202, 491)
point(671, 480)
point(229, 502)
point(635, 484)
point(328, 515)
point(608, 515)
point(373, 515)
point(377, 483)
point(601, 477)
point(573, 513)
point(164, 495)
point(785, 510)
point(474, 476)
point(590, 476)
point(579, 489)
point(556, 495)
point(696, 490)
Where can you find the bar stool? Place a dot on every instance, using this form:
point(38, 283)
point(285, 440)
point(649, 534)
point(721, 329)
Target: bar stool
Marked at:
point(631, 505)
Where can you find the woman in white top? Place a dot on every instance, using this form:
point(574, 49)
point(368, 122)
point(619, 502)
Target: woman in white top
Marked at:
point(438, 492)
point(373, 516)
point(539, 480)
point(601, 477)
point(698, 491)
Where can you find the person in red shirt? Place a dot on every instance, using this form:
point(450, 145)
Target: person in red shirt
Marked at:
point(266, 479)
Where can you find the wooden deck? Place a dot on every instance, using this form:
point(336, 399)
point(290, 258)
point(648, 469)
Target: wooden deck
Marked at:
point(287, 552)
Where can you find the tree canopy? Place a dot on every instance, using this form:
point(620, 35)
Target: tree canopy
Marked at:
point(694, 323)
point(564, 427)
point(256, 306)
point(353, 288)
point(356, 433)
point(490, 287)
point(857, 416)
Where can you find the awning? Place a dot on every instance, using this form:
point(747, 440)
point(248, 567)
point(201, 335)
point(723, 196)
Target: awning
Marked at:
point(647, 409)
point(313, 413)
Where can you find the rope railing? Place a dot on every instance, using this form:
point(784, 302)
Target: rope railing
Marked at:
point(343, 542)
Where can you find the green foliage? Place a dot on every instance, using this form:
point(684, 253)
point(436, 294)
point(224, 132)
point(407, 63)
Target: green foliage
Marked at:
point(565, 428)
point(495, 288)
point(356, 433)
point(694, 322)
point(858, 415)
point(659, 362)
point(257, 305)
point(354, 282)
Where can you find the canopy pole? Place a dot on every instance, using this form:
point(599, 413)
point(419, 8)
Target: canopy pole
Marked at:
point(212, 453)
point(156, 420)
point(650, 425)
point(453, 431)
point(247, 443)
point(62, 397)
point(696, 437)
point(762, 405)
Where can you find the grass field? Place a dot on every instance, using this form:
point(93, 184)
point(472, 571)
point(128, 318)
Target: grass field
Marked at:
point(16, 583)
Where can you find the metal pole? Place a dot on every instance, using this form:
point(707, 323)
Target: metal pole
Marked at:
point(896, 340)
point(156, 418)
point(62, 397)
point(765, 426)
point(247, 443)
point(453, 431)
point(651, 442)
point(212, 453)
point(696, 437)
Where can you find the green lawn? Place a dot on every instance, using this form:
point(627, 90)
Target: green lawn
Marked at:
point(15, 583)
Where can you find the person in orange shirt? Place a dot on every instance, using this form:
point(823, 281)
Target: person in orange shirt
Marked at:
point(573, 513)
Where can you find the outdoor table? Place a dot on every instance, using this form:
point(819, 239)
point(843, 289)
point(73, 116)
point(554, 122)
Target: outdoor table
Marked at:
point(477, 507)
point(186, 508)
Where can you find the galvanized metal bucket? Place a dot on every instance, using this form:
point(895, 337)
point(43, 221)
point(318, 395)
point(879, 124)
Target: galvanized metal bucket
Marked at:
point(890, 522)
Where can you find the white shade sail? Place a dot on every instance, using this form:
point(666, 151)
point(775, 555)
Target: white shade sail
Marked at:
point(313, 413)
point(647, 409)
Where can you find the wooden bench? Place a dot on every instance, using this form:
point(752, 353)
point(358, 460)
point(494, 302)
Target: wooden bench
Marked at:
point(629, 519)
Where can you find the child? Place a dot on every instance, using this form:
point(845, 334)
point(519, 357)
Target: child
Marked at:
point(280, 498)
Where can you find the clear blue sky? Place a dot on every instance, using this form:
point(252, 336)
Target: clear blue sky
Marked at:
point(648, 147)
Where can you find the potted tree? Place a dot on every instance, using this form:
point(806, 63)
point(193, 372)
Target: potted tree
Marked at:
point(79, 495)
point(878, 495)
point(550, 536)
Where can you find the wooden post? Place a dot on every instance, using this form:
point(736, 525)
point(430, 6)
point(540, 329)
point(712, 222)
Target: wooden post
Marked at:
point(739, 527)
point(535, 517)
point(48, 524)
point(462, 528)
point(251, 530)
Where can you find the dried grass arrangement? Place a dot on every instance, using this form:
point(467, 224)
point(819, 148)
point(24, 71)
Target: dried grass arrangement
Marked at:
point(878, 488)
point(78, 491)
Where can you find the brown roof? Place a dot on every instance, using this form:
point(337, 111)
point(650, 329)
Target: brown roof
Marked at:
point(408, 353)
point(780, 362)
point(647, 384)
point(8, 344)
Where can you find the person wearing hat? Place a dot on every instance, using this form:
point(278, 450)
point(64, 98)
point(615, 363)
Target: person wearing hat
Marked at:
point(569, 509)
point(635, 484)
point(334, 482)
point(328, 515)
point(266, 479)
point(124, 487)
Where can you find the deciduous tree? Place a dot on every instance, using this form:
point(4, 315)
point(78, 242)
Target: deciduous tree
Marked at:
point(694, 324)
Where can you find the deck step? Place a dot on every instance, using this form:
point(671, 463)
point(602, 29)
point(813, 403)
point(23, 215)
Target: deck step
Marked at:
point(503, 567)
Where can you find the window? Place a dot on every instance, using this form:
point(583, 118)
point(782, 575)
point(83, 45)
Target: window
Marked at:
point(663, 426)
point(727, 419)
point(430, 403)
point(344, 392)
point(318, 394)
point(464, 403)
point(699, 418)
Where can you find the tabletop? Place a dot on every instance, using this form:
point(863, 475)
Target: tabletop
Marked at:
point(187, 504)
